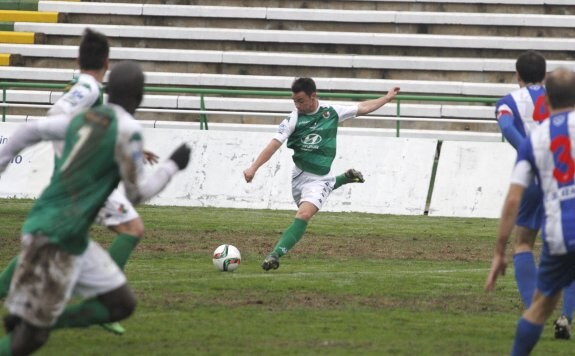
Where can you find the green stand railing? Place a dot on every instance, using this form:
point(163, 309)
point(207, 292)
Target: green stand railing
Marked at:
point(4, 86)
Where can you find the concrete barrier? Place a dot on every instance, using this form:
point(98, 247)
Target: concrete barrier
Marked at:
point(396, 182)
point(472, 179)
point(29, 172)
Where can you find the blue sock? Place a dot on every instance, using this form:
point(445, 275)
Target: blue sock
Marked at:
point(569, 301)
point(525, 275)
point(526, 336)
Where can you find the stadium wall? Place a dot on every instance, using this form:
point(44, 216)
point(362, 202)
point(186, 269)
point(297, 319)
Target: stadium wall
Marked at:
point(471, 178)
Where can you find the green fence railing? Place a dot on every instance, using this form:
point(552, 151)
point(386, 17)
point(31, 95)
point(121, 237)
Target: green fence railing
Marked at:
point(4, 86)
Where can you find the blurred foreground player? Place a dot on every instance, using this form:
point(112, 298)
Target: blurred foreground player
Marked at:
point(103, 146)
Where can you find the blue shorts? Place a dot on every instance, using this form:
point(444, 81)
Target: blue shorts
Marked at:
point(555, 272)
point(531, 209)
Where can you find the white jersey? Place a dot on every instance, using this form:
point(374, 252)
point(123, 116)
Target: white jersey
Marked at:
point(548, 154)
point(85, 92)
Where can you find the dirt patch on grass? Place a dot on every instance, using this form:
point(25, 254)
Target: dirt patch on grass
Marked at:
point(463, 303)
point(328, 246)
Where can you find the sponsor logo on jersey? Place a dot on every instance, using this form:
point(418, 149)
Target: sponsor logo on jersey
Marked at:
point(311, 139)
point(559, 120)
point(74, 97)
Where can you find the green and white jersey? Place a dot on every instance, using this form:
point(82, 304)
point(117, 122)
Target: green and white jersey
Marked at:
point(81, 94)
point(102, 146)
point(89, 170)
point(313, 137)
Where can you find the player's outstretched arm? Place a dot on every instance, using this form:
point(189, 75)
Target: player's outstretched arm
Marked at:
point(509, 130)
point(365, 107)
point(506, 223)
point(31, 133)
point(137, 190)
point(263, 157)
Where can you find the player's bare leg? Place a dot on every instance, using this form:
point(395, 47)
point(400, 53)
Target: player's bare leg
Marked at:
point(113, 306)
point(22, 338)
point(129, 235)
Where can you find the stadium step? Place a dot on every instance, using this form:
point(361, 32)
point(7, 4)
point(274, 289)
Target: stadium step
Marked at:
point(7, 59)
point(29, 16)
point(26, 5)
point(22, 37)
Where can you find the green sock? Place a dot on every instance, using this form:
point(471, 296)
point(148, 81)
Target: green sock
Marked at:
point(6, 277)
point(340, 180)
point(86, 313)
point(121, 248)
point(6, 345)
point(290, 237)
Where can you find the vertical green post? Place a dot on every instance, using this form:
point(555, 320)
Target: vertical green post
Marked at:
point(398, 115)
point(203, 116)
point(4, 103)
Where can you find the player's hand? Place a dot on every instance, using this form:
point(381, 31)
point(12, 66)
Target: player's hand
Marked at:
point(249, 174)
point(498, 266)
point(392, 93)
point(150, 157)
point(181, 156)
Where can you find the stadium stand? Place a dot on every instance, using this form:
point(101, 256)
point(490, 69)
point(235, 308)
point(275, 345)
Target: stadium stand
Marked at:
point(426, 47)
point(29, 16)
point(23, 5)
point(21, 37)
point(7, 59)
point(320, 15)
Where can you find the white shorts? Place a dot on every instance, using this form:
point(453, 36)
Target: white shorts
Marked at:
point(46, 277)
point(311, 187)
point(116, 210)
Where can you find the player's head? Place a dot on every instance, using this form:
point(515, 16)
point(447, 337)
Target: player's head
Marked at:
point(304, 95)
point(126, 85)
point(531, 67)
point(560, 87)
point(94, 51)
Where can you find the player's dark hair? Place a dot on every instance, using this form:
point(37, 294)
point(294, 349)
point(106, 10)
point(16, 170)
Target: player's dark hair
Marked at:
point(560, 87)
point(94, 50)
point(126, 85)
point(306, 85)
point(531, 67)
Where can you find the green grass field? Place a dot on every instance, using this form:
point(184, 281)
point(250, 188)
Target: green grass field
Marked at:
point(356, 284)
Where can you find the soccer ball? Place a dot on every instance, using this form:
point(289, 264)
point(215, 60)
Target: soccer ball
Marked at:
point(226, 258)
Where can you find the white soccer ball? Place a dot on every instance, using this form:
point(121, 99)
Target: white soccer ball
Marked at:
point(227, 258)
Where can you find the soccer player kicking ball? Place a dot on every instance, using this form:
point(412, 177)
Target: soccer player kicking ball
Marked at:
point(103, 146)
point(546, 154)
point(311, 131)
